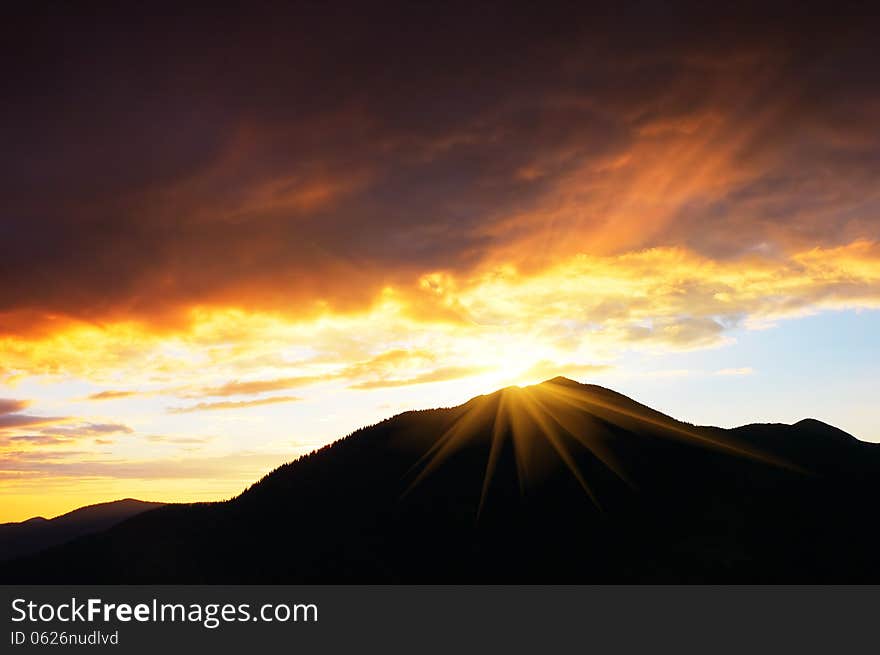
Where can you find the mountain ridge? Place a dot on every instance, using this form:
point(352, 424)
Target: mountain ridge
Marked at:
point(556, 482)
point(38, 533)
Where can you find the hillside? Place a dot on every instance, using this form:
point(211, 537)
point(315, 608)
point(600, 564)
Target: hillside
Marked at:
point(38, 533)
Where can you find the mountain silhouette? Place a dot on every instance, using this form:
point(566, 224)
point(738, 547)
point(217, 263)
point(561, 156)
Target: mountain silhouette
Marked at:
point(38, 533)
point(560, 482)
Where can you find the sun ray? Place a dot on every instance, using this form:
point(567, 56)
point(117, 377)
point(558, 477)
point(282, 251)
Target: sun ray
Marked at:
point(549, 432)
point(499, 427)
point(459, 431)
point(587, 437)
point(677, 429)
point(531, 416)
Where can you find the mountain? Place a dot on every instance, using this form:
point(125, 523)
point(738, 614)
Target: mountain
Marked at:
point(556, 483)
point(38, 534)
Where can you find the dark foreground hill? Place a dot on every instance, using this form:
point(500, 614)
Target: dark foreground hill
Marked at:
point(556, 483)
point(38, 534)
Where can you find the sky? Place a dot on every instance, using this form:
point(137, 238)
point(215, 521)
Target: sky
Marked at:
point(230, 238)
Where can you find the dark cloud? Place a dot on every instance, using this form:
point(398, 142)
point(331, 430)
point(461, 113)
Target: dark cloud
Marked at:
point(283, 156)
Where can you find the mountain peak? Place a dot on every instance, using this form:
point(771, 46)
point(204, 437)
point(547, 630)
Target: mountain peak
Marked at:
point(815, 426)
point(560, 379)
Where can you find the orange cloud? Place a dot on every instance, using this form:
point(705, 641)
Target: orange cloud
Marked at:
point(111, 395)
point(86, 429)
point(247, 387)
point(582, 143)
point(580, 310)
point(437, 375)
point(34, 440)
point(233, 404)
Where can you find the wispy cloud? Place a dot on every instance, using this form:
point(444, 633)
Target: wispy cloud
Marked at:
point(241, 465)
point(85, 429)
point(242, 404)
point(437, 375)
point(745, 370)
point(28, 420)
point(248, 387)
point(111, 395)
point(158, 438)
point(381, 365)
point(10, 406)
point(35, 440)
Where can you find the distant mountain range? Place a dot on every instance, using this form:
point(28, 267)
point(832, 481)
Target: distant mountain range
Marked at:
point(555, 483)
point(38, 534)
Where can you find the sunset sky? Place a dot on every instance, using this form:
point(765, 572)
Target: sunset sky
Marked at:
point(228, 240)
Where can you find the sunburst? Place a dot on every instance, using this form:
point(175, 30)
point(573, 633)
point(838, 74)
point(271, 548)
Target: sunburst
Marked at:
point(556, 414)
